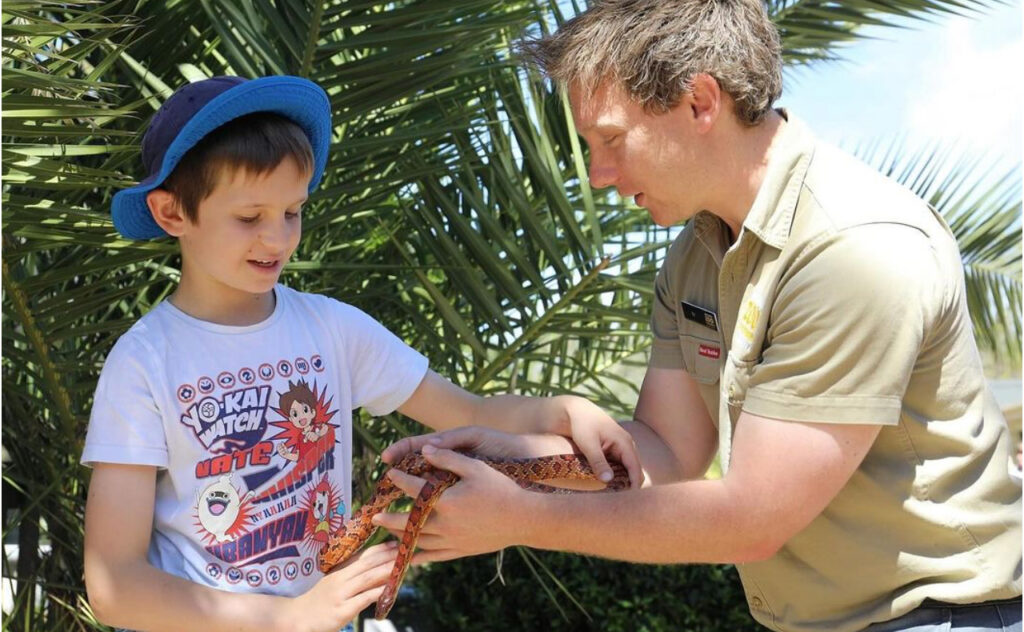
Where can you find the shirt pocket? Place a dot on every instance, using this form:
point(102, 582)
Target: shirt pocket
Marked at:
point(702, 357)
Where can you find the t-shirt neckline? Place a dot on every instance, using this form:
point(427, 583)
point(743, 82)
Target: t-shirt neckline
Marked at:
point(206, 325)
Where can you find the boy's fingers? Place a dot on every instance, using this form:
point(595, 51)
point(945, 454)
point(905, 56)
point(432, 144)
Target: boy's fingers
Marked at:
point(599, 464)
point(378, 553)
point(362, 600)
point(631, 461)
point(355, 579)
point(382, 555)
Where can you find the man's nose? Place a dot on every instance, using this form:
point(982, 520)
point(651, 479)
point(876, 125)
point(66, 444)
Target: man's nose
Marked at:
point(602, 173)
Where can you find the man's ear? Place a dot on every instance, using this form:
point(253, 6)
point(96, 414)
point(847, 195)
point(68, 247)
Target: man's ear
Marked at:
point(167, 212)
point(705, 101)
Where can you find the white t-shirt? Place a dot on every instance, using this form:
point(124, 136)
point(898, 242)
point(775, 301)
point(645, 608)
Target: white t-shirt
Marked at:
point(251, 429)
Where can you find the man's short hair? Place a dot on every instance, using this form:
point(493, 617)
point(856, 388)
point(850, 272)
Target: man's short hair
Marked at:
point(654, 49)
point(255, 143)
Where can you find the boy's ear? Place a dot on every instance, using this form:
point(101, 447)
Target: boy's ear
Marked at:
point(167, 212)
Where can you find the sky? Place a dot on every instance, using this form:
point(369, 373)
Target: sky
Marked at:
point(954, 80)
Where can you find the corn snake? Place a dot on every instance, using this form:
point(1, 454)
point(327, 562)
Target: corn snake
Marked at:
point(525, 472)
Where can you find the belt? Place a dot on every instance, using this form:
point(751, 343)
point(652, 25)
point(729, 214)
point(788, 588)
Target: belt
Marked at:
point(934, 603)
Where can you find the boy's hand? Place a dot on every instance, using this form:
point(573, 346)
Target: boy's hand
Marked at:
point(343, 593)
point(475, 439)
point(597, 435)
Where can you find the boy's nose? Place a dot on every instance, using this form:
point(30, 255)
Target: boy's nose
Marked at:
point(276, 235)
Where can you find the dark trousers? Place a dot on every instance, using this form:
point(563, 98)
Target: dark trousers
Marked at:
point(935, 616)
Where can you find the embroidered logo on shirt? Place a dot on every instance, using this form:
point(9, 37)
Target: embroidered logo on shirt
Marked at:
point(748, 320)
point(709, 351)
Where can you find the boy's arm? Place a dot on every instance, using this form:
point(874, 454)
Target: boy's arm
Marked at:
point(441, 405)
point(126, 591)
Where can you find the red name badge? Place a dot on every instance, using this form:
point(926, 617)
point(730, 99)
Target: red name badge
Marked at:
point(709, 352)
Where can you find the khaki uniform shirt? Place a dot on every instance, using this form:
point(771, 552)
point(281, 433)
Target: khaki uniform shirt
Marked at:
point(842, 301)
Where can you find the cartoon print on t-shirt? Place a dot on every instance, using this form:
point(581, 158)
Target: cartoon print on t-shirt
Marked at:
point(299, 405)
point(326, 512)
point(310, 438)
point(222, 511)
point(264, 495)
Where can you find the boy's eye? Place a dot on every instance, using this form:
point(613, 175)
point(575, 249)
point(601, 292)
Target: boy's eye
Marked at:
point(248, 220)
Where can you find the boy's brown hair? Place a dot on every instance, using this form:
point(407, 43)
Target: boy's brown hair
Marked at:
point(255, 143)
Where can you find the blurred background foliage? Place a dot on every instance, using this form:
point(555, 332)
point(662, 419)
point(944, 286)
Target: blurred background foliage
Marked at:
point(455, 209)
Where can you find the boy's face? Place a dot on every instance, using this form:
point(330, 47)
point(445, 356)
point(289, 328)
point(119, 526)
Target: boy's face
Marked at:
point(246, 230)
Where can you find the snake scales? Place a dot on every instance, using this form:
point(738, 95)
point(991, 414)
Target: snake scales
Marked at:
point(526, 472)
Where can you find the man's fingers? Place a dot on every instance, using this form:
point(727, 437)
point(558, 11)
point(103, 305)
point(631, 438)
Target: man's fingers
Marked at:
point(440, 555)
point(394, 452)
point(430, 542)
point(406, 482)
point(449, 460)
point(393, 521)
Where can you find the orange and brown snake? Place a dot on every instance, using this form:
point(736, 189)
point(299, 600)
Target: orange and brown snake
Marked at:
point(526, 472)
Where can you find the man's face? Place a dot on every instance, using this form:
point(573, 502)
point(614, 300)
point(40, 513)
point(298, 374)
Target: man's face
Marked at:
point(648, 157)
point(247, 229)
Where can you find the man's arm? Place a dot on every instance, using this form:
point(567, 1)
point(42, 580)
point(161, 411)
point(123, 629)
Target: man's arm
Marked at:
point(783, 475)
point(126, 591)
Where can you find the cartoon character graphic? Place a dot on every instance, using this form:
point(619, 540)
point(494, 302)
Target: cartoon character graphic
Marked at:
point(326, 511)
point(306, 435)
point(221, 510)
point(300, 405)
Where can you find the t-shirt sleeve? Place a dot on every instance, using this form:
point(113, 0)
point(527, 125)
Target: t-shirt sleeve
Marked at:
point(847, 326)
point(125, 425)
point(384, 370)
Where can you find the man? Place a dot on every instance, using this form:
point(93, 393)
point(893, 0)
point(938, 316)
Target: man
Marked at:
point(809, 323)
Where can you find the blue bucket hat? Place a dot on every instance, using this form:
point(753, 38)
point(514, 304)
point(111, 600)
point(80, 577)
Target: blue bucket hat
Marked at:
point(195, 110)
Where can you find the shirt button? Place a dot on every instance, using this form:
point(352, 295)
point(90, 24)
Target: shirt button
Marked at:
point(756, 603)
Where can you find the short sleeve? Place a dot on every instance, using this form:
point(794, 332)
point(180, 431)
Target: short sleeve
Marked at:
point(384, 370)
point(665, 350)
point(125, 425)
point(847, 326)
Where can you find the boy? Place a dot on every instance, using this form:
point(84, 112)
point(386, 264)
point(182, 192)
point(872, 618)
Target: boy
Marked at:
point(220, 435)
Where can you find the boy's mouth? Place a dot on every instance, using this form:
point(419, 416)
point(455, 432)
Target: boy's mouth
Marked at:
point(264, 263)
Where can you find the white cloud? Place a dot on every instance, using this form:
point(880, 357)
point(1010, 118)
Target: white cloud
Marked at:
point(971, 91)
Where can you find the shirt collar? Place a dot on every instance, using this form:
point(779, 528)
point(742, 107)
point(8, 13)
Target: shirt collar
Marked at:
point(771, 216)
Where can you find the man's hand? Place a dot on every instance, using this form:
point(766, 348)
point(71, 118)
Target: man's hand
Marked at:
point(479, 514)
point(343, 593)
